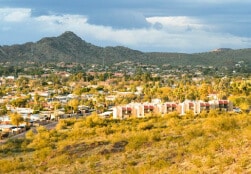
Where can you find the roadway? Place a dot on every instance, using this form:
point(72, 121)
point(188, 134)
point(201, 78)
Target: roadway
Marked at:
point(49, 126)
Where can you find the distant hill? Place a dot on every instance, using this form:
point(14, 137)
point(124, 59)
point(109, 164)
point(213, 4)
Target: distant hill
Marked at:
point(68, 47)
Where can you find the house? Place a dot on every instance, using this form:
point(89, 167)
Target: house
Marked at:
point(106, 114)
point(10, 78)
point(170, 107)
point(164, 108)
point(132, 109)
point(13, 129)
point(62, 99)
point(34, 117)
point(7, 127)
point(22, 110)
point(203, 106)
point(222, 105)
point(5, 119)
point(187, 106)
point(56, 114)
point(196, 107)
point(121, 112)
point(110, 98)
point(148, 108)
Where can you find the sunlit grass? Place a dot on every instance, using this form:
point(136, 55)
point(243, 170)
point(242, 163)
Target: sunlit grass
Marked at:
point(151, 145)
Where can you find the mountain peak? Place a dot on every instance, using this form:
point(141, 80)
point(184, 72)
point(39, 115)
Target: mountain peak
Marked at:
point(69, 35)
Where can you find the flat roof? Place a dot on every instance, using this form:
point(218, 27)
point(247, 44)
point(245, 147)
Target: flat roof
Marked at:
point(7, 126)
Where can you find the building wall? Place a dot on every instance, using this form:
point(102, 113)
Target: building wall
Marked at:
point(140, 109)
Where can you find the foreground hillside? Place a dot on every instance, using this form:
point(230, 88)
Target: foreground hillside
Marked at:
point(208, 143)
point(68, 47)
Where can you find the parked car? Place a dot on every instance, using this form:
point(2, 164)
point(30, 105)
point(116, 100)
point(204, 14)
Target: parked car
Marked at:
point(237, 110)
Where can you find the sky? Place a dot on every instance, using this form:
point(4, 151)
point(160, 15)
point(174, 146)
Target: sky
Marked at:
point(187, 26)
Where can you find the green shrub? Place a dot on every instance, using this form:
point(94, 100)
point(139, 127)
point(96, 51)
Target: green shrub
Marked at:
point(29, 135)
point(137, 141)
point(213, 113)
point(172, 115)
point(155, 136)
point(14, 165)
point(189, 115)
point(198, 145)
point(160, 164)
point(43, 153)
point(61, 125)
point(195, 132)
point(226, 123)
point(145, 126)
point(203, 114)
point(78, 125)
point(60, 159)
point(93, 120)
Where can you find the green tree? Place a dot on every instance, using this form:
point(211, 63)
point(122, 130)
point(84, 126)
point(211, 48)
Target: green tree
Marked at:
point(77, 90)
point(56, 105)
point(3, 109)
point(204, 91)
point(73, 103)
point(16, 118)
point(19, 102)
point(22, 81)
point(36, 98)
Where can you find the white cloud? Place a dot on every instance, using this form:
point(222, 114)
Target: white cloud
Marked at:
point(174, 21)
point(181, 34)
point(61, 23)
point(161, 40)
point(14, 14)
point(177, 22)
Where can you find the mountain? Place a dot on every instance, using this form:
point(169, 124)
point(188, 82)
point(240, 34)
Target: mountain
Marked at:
point(68, 47)
point(222, 49)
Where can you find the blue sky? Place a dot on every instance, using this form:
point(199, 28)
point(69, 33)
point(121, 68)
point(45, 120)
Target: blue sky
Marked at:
point(161, 25)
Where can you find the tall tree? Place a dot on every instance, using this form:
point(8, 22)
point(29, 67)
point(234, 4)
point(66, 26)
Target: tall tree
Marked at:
point(16, 118)
point(73, 103)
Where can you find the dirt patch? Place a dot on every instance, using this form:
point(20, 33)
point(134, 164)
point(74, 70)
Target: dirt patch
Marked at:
point(83, 147)
point(116, 147)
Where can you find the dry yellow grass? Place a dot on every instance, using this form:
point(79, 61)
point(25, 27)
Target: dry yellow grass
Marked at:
point(219, 144)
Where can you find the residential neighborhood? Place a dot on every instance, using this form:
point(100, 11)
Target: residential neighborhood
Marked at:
point(114, 93)
point(125, 87)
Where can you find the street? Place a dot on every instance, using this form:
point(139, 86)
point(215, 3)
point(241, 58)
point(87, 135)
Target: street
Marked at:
point(49, 126)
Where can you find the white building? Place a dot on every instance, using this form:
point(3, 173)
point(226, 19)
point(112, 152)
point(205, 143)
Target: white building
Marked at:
point(196, 107)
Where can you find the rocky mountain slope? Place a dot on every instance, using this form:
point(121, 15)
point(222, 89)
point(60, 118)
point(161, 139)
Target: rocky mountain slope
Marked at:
point(68, 47)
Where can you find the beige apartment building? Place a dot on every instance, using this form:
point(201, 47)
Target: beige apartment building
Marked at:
point(140, 110)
